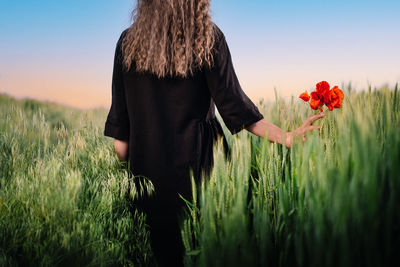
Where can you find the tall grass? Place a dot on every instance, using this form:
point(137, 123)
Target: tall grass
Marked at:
point(63, 192)
point(332, 201)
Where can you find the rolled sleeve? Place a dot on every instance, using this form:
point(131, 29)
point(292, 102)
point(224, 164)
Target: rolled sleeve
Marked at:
point(234, 106)
point(117, 124)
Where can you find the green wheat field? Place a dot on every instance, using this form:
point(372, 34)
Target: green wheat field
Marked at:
point(331, 201)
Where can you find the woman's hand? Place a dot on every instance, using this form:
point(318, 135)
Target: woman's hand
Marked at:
point(121, 148)
point(266, 129)
point(303, 129)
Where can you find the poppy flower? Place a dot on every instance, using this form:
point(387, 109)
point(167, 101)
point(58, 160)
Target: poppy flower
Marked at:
point(336, 97)
point(305, 96)
point(323, 95)
point(316, 101)
point(322, 89)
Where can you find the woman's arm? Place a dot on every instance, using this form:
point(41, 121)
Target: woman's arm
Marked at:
point(121, 148)
point(262, 128)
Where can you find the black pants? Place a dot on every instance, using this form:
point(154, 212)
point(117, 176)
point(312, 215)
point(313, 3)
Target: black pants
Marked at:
point(164, 215)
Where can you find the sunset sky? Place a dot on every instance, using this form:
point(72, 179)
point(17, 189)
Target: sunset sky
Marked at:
point(63, 51)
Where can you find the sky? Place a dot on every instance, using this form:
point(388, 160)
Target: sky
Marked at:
point(62, 51)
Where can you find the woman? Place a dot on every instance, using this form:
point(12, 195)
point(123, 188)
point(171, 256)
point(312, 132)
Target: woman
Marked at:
point(172, 66)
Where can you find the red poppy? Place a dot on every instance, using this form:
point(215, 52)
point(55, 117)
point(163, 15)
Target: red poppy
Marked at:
point(322, 90)
point(305, 96)
point(336, 97)
point(332, 98)
point(316, 100)
point(322, 87)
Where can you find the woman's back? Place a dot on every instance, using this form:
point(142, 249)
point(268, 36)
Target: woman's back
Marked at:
point(170, 122)
point(164, 87)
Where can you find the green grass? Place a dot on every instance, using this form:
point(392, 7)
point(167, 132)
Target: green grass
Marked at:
point(331, 201)
point(63, 192)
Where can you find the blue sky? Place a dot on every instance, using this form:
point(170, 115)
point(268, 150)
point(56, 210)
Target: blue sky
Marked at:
point(63, 50)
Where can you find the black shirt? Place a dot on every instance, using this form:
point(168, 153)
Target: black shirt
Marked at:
point(170, 123)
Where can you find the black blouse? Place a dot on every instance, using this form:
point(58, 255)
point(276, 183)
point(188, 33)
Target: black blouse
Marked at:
point(170, 123)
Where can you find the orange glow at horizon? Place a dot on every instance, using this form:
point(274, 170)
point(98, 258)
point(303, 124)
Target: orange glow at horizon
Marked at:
point(84, 93)
point(64, 87)
point(88, 87)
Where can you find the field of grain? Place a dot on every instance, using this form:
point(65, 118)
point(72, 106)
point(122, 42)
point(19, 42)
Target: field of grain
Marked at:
point(332, 201)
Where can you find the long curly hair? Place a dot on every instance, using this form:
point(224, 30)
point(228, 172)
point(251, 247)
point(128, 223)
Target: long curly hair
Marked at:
point(169, 37)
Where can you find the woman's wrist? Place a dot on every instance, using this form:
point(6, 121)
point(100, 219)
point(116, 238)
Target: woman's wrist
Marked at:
point(288, 139)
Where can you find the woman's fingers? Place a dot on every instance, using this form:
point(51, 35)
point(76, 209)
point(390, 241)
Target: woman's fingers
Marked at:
point(312, 127)
point(312, 119)
point(308, 129)
point(315, 127)
point(303, 130)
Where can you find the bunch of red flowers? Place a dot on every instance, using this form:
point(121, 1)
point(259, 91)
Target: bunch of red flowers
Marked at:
point(332, 98)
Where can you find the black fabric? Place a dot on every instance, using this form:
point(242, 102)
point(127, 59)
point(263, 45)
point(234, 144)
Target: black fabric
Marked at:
point(170, 125)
